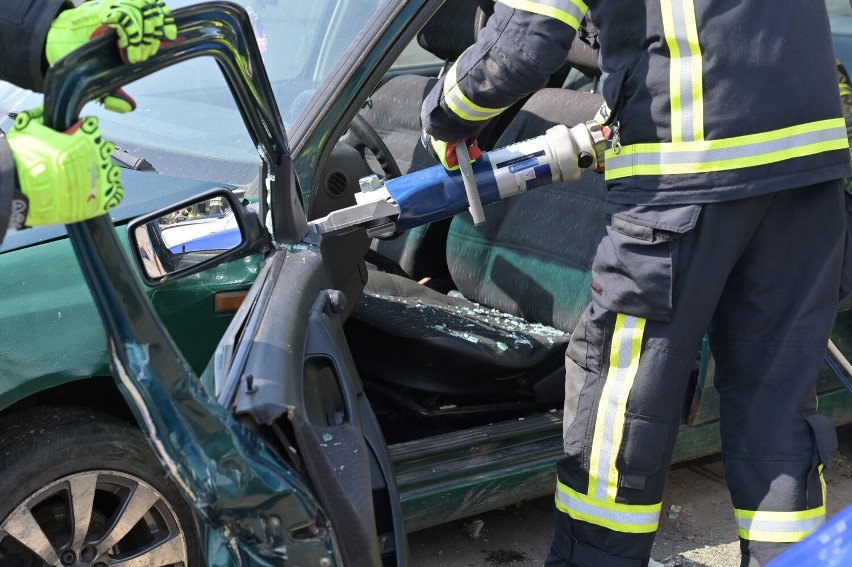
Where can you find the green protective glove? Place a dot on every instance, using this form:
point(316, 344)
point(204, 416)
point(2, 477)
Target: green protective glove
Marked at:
point(445, 152)
point(140, 25)
point(68, 176)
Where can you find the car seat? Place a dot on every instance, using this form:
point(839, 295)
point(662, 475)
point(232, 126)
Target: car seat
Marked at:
point(522, 282)
point(393, 110)
point(394, 107)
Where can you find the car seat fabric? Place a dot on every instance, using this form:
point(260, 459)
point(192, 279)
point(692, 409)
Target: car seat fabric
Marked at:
point(522, 278)
point(411, 335)
point(584, 58)
point(532, 256)
point(451, 30)
point(515, 264)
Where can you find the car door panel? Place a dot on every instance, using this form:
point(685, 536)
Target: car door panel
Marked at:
point(299, 380)
point(267, 472)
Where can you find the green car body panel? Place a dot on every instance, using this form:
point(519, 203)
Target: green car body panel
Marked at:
point(52, 334)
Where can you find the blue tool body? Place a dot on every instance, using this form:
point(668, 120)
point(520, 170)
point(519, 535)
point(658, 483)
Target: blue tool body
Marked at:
point(435, 193)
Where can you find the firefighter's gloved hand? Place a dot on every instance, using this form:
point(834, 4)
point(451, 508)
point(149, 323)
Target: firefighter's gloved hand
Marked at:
point(65, 177)
point(140, 25)
point(445, 152)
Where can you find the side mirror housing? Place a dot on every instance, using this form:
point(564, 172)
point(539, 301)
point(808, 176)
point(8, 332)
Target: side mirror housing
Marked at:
point(193, 235)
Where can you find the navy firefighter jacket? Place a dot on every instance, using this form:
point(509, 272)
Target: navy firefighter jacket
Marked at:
point(711, 99)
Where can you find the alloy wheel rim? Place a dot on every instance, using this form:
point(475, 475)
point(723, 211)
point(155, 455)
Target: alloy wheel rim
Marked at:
point(94, 518)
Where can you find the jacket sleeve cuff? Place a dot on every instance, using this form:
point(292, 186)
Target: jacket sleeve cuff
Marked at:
point(439, 122)
point(36, 60)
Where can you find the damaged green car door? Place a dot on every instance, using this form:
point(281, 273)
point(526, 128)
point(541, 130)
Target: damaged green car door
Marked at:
point(267, 473)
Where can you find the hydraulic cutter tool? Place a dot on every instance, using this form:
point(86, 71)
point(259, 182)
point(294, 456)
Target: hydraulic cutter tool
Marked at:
point(421, 197)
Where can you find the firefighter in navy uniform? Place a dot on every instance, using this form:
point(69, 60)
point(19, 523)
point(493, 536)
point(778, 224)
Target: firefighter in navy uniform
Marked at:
point(724, 216)
point(46, 177)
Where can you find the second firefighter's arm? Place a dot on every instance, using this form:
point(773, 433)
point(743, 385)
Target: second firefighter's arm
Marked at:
point(524, 42)
point(23, 27)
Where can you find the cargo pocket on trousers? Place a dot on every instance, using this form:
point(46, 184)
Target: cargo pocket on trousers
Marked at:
point(825, 444)
point(633, 268)
point(642, 449)
point(825, 437)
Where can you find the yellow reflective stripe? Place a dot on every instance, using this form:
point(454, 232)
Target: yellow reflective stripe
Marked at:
point(609, 422)
point(685, 74)
point(570, 12)
point(781, 527)
point(680, 158)
point(462, 106)
point(627, 518)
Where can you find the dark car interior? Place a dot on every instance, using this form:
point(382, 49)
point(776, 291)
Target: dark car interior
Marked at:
point(460, 325)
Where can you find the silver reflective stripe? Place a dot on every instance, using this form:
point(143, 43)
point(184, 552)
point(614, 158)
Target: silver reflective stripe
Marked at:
point(687, 60)
point(620, 517)
point(674, 156)
point(460, 105)
point(455, 102)
point(620, 377)
point(786, 526)
point(781, 527)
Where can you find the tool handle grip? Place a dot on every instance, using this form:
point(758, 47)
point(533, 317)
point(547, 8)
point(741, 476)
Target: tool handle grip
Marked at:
point(469, 180)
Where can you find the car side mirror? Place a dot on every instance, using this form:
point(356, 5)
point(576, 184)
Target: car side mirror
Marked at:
point(193, 235)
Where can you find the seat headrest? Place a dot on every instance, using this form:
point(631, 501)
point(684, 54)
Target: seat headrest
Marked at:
point(453, 28)
point(584, 58)
point(547, 108)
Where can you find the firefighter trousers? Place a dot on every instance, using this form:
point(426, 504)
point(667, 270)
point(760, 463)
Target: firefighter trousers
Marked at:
point(760, 277)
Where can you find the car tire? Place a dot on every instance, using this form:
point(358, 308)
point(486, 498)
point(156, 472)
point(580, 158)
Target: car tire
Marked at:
point(82, 486)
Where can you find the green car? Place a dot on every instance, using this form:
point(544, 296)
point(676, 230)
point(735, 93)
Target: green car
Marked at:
point(352, 389)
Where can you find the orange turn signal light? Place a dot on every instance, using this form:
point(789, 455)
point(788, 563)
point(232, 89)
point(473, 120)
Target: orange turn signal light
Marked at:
point(228, 301)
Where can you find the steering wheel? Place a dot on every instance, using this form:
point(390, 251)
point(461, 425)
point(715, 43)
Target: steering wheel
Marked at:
point(362, 137)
